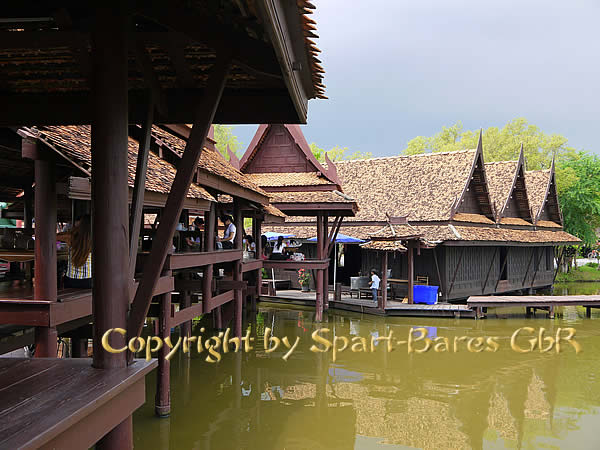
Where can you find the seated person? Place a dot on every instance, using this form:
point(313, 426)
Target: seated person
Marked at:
point(249, 244)
point(227, 241)
point(194, 242)
point(278, 250)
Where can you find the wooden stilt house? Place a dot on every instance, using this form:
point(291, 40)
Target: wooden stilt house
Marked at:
point(476, 231)
point(280, 161)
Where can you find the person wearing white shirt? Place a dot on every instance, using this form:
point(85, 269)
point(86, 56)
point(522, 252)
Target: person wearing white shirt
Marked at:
point(374, 283)
point(228, 239)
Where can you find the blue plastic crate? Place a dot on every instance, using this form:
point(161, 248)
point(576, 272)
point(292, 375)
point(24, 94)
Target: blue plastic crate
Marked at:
point(425, 294)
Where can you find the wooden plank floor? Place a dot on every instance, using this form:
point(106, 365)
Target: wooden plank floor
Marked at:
point(393, 308)
point(534, 300)
point(65, 403)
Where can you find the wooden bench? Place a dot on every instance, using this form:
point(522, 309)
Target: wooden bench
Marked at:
point(65, 403)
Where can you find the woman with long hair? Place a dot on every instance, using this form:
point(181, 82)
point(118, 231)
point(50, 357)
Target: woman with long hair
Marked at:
point(79, 266)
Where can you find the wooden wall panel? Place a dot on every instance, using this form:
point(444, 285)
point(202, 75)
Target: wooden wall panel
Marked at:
point(279, 153)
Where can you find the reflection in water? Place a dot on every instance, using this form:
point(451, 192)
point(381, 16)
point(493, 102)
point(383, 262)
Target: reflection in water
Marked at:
point(382, 400)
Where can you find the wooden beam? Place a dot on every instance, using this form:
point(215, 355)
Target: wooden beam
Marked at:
point(226, 186)
point(74, 108)
point(537, 266)
point(139, 187)
point(185, 77)
point(490, 270)
point(502, 268)
point(528, 265)
point(437, 269)
point(411, 272)
point(384, 282)
point(145, 66)
point(462, 251)
point(181, 184)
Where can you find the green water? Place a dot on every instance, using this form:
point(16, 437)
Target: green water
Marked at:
point(373, 400)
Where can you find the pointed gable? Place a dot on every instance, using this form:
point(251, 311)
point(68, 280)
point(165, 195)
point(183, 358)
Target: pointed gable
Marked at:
point(541, 186)
point(280, 148)
point(508, 192)
point(475, 197)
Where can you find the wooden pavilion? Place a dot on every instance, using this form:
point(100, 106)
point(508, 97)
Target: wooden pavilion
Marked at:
point(453, 221)
point(280, 161)
point(111, 64)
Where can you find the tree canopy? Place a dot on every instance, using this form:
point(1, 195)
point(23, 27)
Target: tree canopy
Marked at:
point(224, 137)
point(337, 153)
point(577, 173)
point(499, 144)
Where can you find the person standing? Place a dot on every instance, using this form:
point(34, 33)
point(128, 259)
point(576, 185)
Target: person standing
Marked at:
point(79, 264)
point(278, 250)
point(374, 283)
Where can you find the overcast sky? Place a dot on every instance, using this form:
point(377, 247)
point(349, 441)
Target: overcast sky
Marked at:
point(396, 69)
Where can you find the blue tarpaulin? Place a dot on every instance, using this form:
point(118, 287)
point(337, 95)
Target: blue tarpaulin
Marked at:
point(342, 239)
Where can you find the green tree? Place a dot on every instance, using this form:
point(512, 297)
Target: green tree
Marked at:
point(499, 144)
point(579, 195)
point(224, 137)
point(337, 153)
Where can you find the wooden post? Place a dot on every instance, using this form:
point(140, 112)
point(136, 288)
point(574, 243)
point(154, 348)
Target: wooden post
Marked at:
point(326, 255)
point(79, 347)
point(338, 292)
point(259, 252)
point(45, 286)
point(588, 311)
point(210, 218)
point(382, 301)
point(237, 267)
point(462, 251)
point(139, 186)
point(185, 301)
point(162, 402)
point(319, 280)
point(110, 225)
point(186, 169)
point(411, 272)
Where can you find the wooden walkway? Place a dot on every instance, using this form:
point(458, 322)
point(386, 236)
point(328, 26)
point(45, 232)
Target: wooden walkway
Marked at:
point(532, 302)
point(65, 403)
point(367, 306)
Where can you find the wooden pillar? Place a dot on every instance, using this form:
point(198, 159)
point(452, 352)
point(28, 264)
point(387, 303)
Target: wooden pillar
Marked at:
point(186, 169)
point(588, 311)
point(411, 272)
point(162, 402)
point(185, 301)
point(383, 298)
point(139, 187)
point(237, 266)
point(28, 208)
point(210, 218)
point(110, 224)
point(326, 255)
point(319, 280)
point(45, 286)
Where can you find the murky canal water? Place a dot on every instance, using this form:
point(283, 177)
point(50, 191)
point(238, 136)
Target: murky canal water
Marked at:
point(370, 400)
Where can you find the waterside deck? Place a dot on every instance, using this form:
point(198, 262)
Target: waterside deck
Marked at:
point(367, 306)
point(65, 403)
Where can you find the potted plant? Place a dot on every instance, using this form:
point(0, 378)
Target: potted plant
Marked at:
point(304, 280)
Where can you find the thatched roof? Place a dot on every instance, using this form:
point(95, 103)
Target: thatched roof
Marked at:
point(210, 160)
point(537, 185)
point(500, 177)
point(75, 142)
point(422, 187)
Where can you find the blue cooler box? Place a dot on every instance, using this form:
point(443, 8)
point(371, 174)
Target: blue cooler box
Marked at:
point(425, 294)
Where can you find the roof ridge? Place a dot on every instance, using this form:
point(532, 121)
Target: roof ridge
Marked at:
point(502, 162)
point(405, 156)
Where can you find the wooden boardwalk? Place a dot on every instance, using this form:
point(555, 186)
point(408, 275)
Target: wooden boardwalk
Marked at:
point(367, 306)
point(532, 302)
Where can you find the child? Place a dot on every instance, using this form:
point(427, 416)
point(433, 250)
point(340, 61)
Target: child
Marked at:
point(374, 283)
